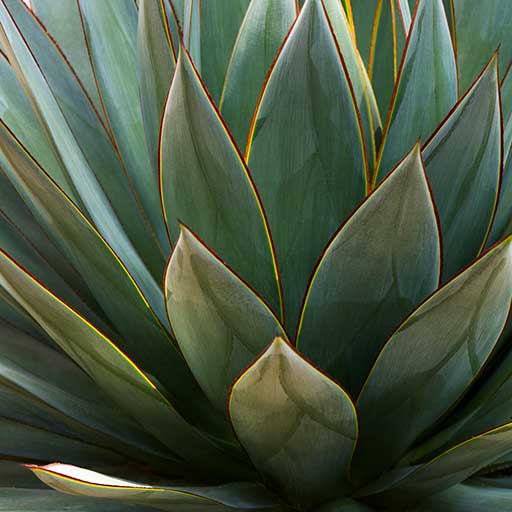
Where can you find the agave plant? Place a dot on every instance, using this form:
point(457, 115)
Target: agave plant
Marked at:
point(324, 189)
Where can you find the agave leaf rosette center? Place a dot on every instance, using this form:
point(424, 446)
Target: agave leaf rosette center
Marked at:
point(255, 255)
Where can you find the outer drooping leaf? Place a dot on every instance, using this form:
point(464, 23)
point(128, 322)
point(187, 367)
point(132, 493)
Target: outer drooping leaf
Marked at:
point(307, 132)
point(78, 139)
point(344, 505)
point(264, 27)
point(381, 28)
point(363, 90)
point(437, 351)
point(463, 166)
point(156, 63)
point(108, 366)
point(481, 27)
point(219, 23)
point(24, 442)
point(221, 325)
point(62, 20)
point(206, 184)
point(426, 86)
point(384, 261)
point(124, 303)
point(40, 263)
point(298, 426)
point(450, 467)
point(111, 32)
point(52, 383)
point(82, 482)
point(467, 498)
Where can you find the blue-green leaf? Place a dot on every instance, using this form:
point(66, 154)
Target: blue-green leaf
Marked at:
point(426, 86)
point(382, 263)
point(306, 132)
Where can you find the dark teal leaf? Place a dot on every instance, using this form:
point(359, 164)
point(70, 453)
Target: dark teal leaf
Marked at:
point(264, 27)
point(463, 166)
point(206, 184)
point(481, 27)
point(382, 263)
point(426, 86)
point(307, 132)
point(438, 351)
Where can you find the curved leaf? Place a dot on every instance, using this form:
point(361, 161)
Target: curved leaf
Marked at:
point(264, 27)
point(156, 63)
point(381, 28)
point(62, 20)
point(362, 88)
point(306, 130)
point(463, 166)
point(221, 325)
point(437, 351)
point(78, 139)
point(426, 86)
point(124, 303)
point(48, 380)
point(110, 368)
point(467, 498)
point(111, 33)
point(297, 426)
point(219, 25)
point(82, 482)
point(450, 467)
point(382, 263)
point(206, 184)
point(480, 29)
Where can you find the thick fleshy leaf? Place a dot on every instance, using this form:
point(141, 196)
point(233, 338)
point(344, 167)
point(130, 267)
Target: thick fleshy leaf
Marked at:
point(192, 30)
point(463, 166)
point(306, 130)
point(381, 28)
point(47, 380)
point(363, 90)
point(298, 426)
point(111, 33)
point(383, 262)
point(264, 27)
point(79, 139)
point(481, 27)
point(124, 303)
point(219, 24)
point(468, 498)
point(502, 223)
point(17, 113)
point(206, 184)
point(449, 468)
point(110, 368)
point(427, 76)
point(27, 443)
point(156, 63)
point(41, 259)
point(437, 351)
point(221, 325)
point(62, 20)
point(82, 482)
